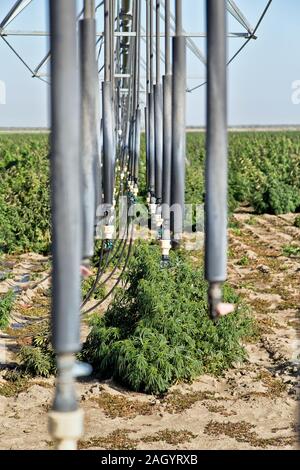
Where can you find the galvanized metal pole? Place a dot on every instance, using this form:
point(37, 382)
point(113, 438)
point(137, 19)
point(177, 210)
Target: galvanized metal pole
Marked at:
point(89, 9)
point(167, 135)
point(107, 38)
point(112, 72)
point(178, 129)
point(89, 128)
point(147, 113)
point(137, 97)
point(216, 160)
point(168, 67)
point(138, 54)
point(133, 96)
point(158, 99)
point(112, 38)
point(126, 69)
point(137, 146)
point(65, 419)
point(107, 115)
point(158, 77)
point(108, 144)
point(151, 111)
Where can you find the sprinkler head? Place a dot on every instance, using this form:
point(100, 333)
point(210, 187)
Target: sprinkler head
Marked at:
point(165, 262)
point(217, 308)
point(85, 268)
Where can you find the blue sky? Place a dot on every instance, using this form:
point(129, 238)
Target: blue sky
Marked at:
point(260, 80)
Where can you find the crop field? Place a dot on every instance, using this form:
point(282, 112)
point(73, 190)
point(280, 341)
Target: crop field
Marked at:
point(164, 375)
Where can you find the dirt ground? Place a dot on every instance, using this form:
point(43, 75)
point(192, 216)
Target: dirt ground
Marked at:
point(252, 406)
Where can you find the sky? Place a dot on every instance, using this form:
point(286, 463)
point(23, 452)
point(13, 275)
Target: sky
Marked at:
point(260, 79)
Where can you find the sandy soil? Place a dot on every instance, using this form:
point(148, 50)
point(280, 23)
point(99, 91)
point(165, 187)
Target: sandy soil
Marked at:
point(252, 406)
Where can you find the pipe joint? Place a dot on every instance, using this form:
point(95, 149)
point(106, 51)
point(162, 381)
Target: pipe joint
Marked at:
point(214, 299)
point(66, 428)
point(152, 208)
point(108, 232)
point(165, 247)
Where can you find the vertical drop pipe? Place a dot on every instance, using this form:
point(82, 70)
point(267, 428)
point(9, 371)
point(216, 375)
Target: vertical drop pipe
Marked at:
point(167, 134)
point(89, 126)
point(216, 155)
point(137, 98)
point(137, 148)
point(133, 94)
point(147, 113)
point(65, 419)
point(112, 77)
point(126, 13)
point(99, 199)
point(158, 110)
point(178, 129)
point(147, 150)
point(151, 111)
point(107, 115)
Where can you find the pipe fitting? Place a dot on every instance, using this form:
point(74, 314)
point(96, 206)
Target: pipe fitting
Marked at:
point(65, 428)
point(152, 208)
point(166, 247)
point(159, 220)
point(108, 232)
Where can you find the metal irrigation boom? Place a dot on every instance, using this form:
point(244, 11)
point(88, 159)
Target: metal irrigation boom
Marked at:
point(96, 151)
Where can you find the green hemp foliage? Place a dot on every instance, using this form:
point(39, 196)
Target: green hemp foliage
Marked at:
point(157, 331)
